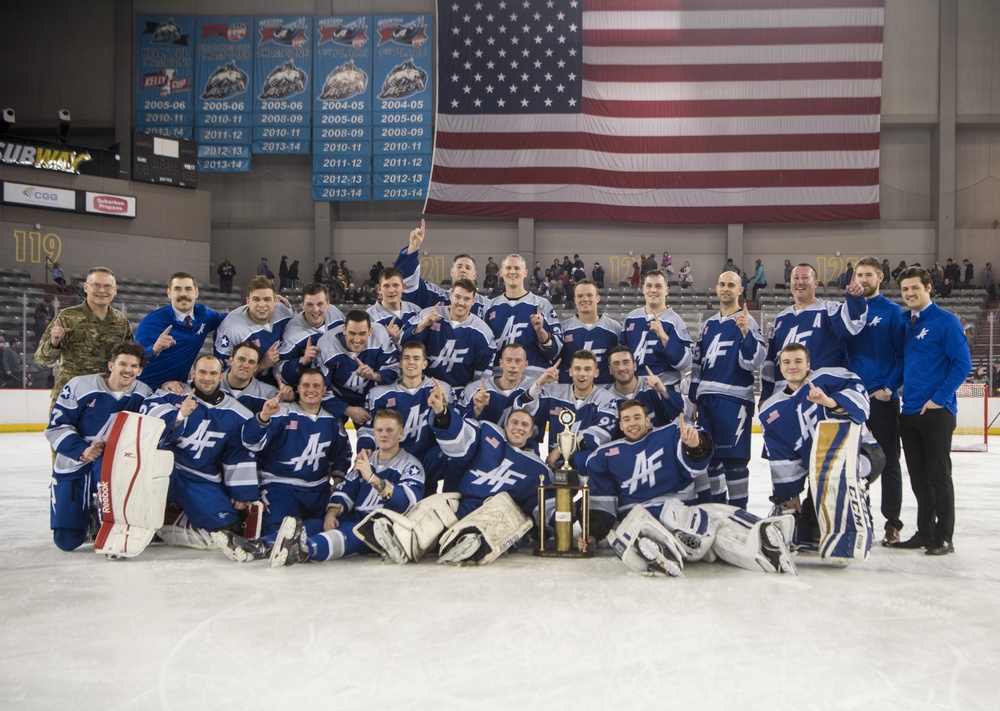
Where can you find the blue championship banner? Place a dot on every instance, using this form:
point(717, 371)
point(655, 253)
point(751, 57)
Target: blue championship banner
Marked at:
point(282, 65)
point(402, 112)
point(164, 74)
point(342, 99)
point(224, 104)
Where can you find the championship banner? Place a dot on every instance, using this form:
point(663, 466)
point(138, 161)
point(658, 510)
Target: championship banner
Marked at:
point(164, 76)
point(342, 99)
point(403, 107)
point(282, 64)
point(224, 103)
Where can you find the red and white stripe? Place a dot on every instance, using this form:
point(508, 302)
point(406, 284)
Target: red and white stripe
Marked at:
point(739, 111)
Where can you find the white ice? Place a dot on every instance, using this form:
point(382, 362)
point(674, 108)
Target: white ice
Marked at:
point(184, 629)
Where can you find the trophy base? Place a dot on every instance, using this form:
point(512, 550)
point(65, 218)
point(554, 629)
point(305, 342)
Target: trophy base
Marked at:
point(562, 554)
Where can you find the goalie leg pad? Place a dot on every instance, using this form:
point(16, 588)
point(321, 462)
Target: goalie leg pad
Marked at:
point(637, 531)
point(692, 527)
point(500, 523)
point(753, 543)
point(845, 523)
point(132, 491)
point(416, 532)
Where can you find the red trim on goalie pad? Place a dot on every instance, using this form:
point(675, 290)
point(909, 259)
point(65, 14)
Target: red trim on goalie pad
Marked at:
point(104, 490)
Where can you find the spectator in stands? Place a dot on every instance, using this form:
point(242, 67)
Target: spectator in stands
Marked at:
point(684, 276)
point(11, 367)
point(43, 314)
point(996, 377)
point(952, 271)
point(263, 270)
point(937, 276)
point(886, 272)
point(578, 264)
point(787, 276)
point(969, 272)
point(558, 288)
point(846, 277)
point(566, 267)
point(759, 280)
point(667, 263)
point(493, 268)
point(376, 270)
point(648, 264)
point(636, 276)
point(345, 271)
point(946, 287)
point(545, 288)
point(59, 277)
point(898, 270)
point(598, 275)
point(318, 274)
point(293, 274)
point(226, 272)
point(283, 273)
point(988, 281)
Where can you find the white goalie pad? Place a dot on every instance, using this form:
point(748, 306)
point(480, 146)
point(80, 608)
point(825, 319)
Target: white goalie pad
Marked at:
point(132, 492)
point(845, 522)
point(498, 521)
point(416, 532)
point(693, 529)
point(750, 542)
point(180, 532)
point(631, 541)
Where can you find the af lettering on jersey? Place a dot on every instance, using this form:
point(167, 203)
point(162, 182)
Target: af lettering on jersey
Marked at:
point(644, 470)
point(314, 453)
point(499, 477)
point(448, 356)
point(201, 439)
point(717, 349)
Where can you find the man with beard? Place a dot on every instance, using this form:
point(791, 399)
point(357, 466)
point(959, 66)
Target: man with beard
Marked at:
point(239, 380)
point(173, 335)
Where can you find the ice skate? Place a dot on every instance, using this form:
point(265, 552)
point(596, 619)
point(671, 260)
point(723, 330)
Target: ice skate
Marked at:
point(774, 554)
point(655, 553)
point(290, 546)
point(464, 548)
point(238, 548)
point(386, 538)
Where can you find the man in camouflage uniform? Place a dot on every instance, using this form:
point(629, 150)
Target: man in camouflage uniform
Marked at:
point(80, 338)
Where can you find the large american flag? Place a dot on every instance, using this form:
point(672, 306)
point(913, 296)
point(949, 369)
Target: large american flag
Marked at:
point(682, 111)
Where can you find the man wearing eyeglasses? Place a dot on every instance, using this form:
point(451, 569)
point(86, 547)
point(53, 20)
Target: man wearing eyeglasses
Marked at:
point(80, 338)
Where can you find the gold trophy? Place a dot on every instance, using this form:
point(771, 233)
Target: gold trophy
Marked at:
point(566, 482)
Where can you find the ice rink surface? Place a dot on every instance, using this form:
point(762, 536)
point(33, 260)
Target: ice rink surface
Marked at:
point(182, 629)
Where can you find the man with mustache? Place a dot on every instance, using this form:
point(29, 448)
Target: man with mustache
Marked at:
point(174, 334)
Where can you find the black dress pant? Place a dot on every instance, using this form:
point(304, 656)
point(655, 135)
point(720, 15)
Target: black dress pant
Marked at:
point(884, 425)
point(927, 448)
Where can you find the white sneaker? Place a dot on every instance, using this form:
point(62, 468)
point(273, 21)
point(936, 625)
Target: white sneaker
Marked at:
point(290, 546)
point(464, 547)
point(655, 553)
point(239, 549)
point(384, 536)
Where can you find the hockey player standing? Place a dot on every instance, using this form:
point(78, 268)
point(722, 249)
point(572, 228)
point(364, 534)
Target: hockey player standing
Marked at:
point(77, 427)
point(460, 346)
point(821, 326)
point(656, 335)
point(425, 294)
point(214, 476)
point(297, 349)
point(936, 361)
point(728, 353)
point(391, 311)
point(590, 331)
point(261, 321)
point(390, 478)
point(301, 447)
point(876, 356)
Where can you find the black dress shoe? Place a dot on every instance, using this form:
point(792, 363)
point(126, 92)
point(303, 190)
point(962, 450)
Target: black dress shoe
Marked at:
point(940, 549)
point(916, 541)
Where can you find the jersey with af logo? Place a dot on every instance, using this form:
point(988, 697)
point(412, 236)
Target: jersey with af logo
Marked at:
point(725, 360)
point(823, 327)
point(510, 322)
point(666, 361)
point(206, 444)
point(646, 473)
point(789, 422)
point(340, 367)
point(424, 293)
point(403, 471)
point(239, 327)
point(492, 465)
point(297, 448)
point(598, 338)
point(457, 353)
point(412, 405)
point(298, 333)
point(596, 415)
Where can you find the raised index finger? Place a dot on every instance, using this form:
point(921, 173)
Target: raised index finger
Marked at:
point(166, 331)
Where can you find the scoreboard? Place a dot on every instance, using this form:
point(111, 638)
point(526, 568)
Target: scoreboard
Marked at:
point(165, 161)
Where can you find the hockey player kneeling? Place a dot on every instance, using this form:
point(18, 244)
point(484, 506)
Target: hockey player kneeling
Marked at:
point(391, 479)
point(645, 480)
point(813, 430)
point(498, 493)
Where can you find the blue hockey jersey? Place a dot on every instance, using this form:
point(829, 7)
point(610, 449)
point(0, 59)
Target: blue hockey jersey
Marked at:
point(510, 321)
point(788, 421)
point(425, 294)
point(598, 338)
point(298, 449)
point(823, 327)
point(596, 415)
point(725, 360)
point(239, 327)
point(412, 405)
point(666, 361)
point(340, 365)
point(501, 401)
point(404, 472)
point(82, 414)
point(492, 465)
point(253, 396)
point(297, 333)
point(457, 353)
